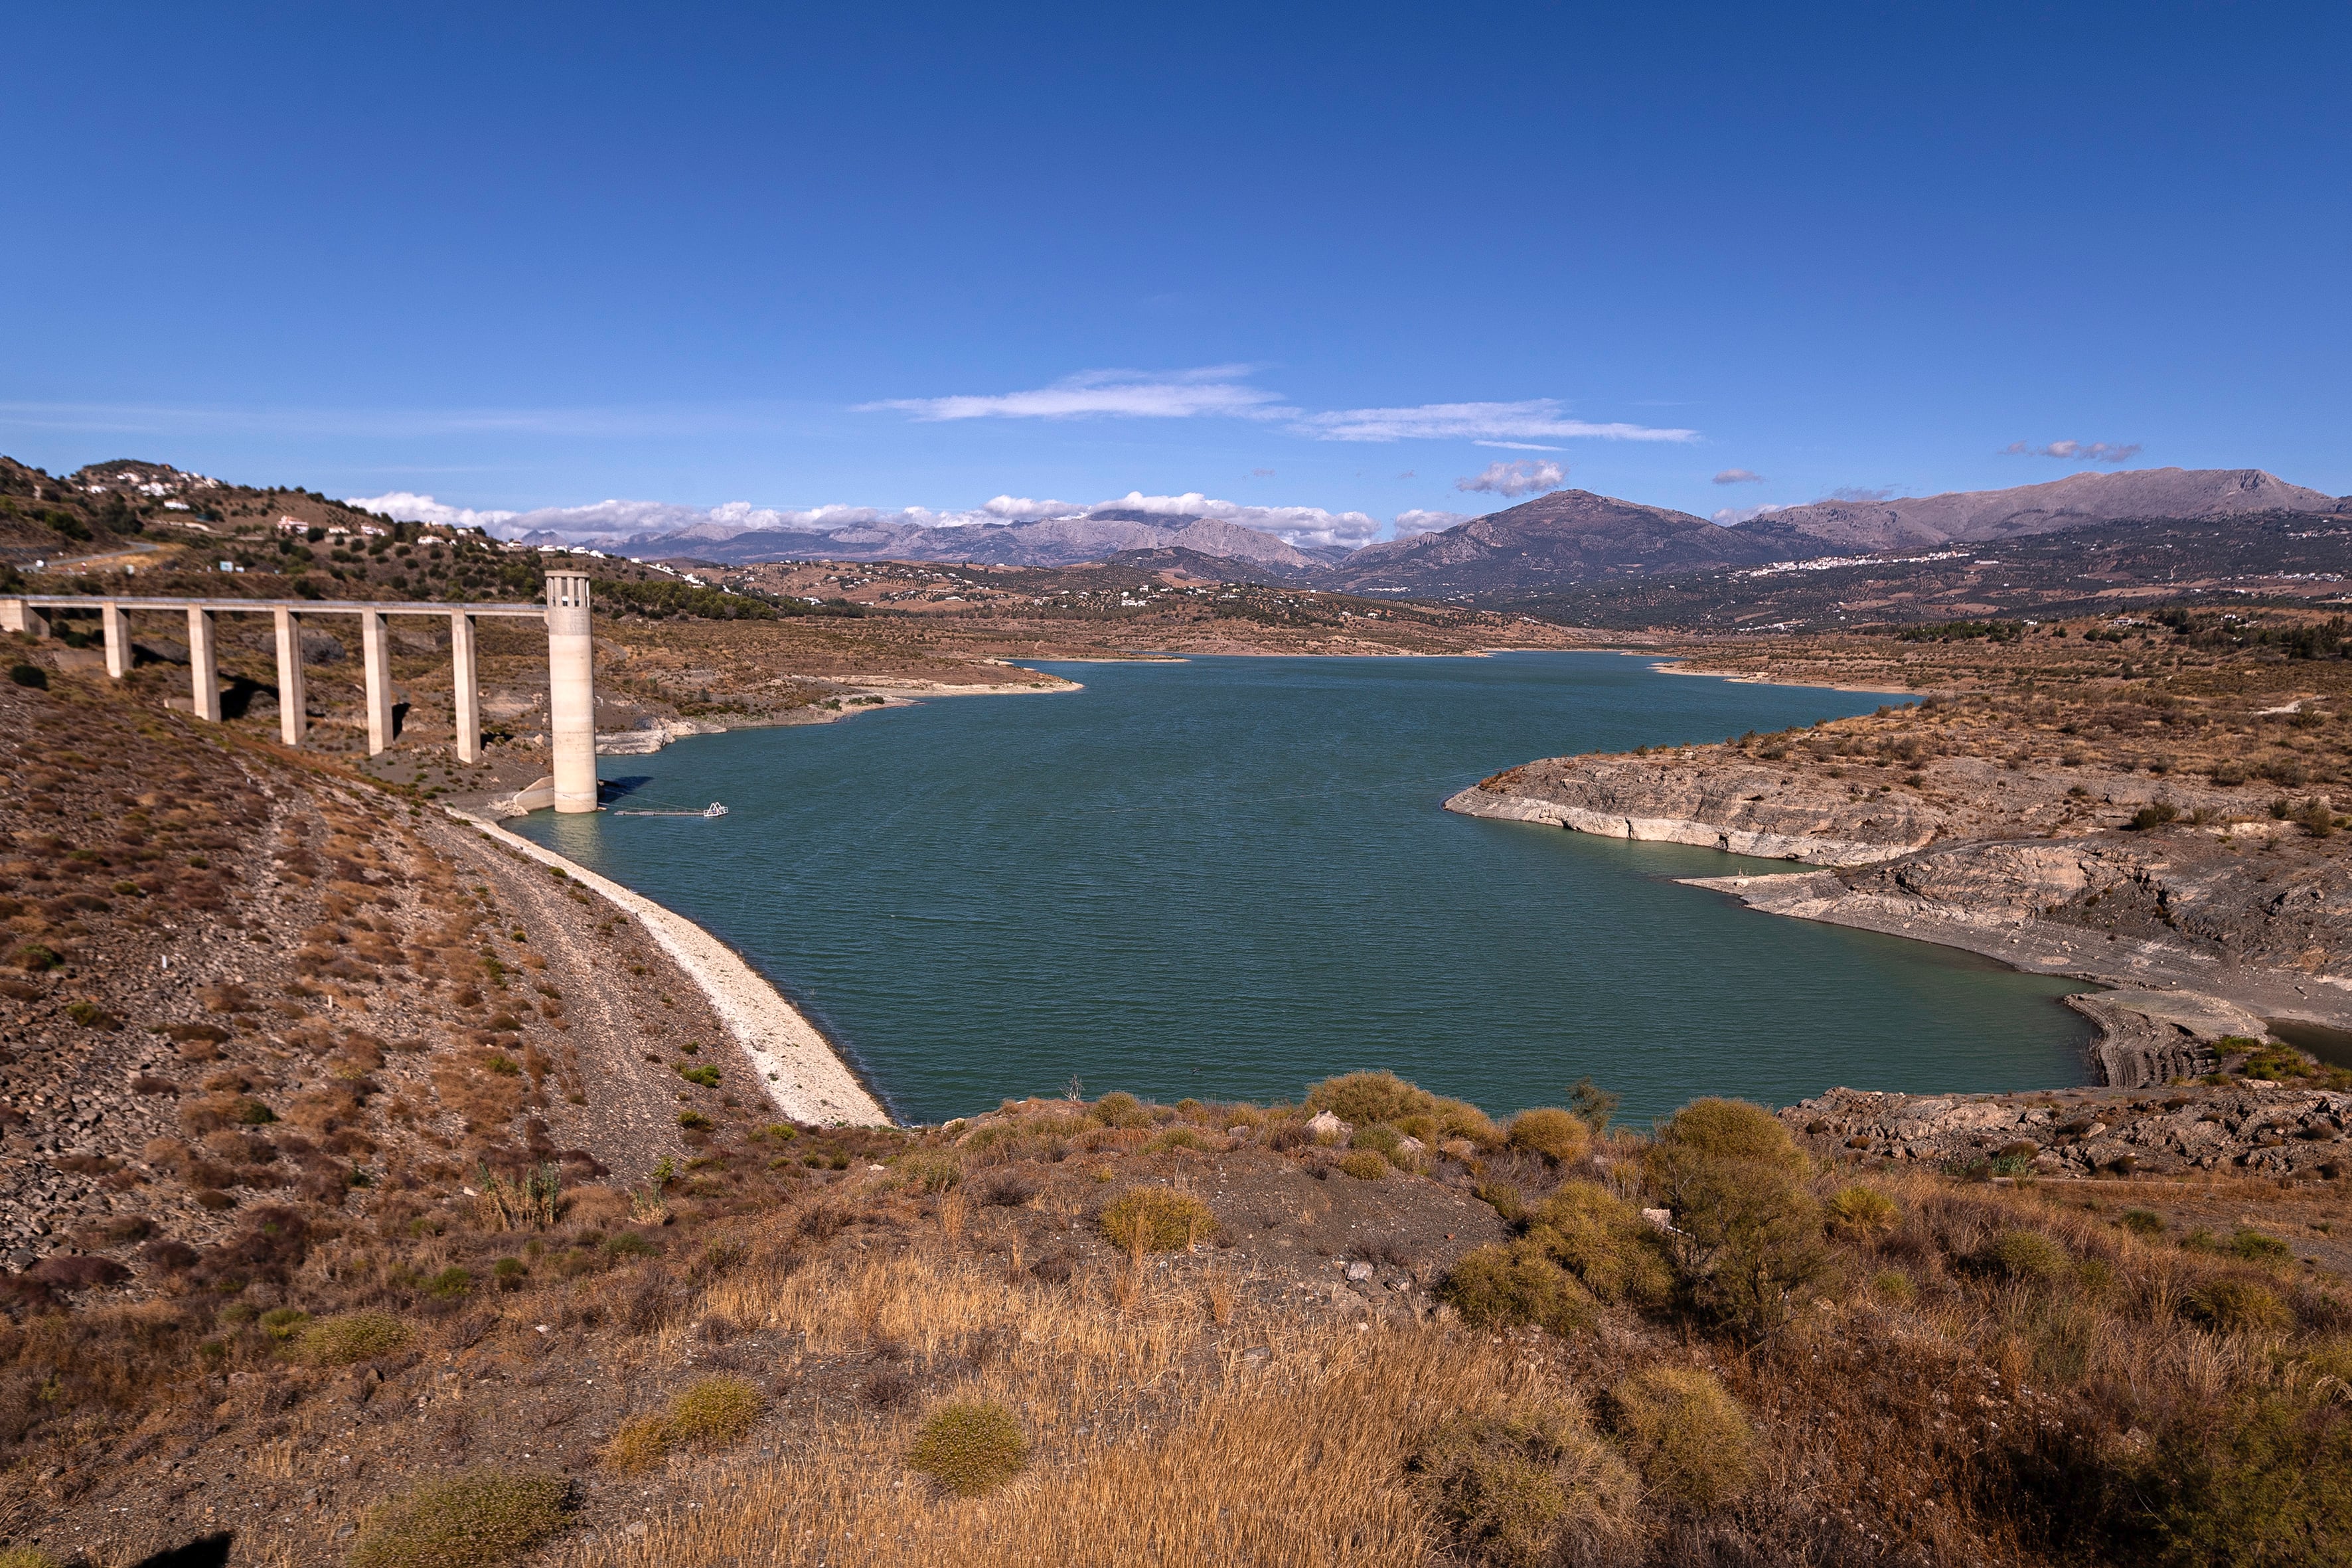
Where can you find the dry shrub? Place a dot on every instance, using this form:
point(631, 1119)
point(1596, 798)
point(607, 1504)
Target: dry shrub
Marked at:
point(1860, 1212)
point(1557, 1135)
point(1121, 1110)
point(713, 1412)
point(1747, 1235)
point(2027, 1257)
point(1156, 1219)
point(1605, 1243)
point(1365, 1164)
point(642, 1442)
point(352, 1337)
point(1364, 1098)
point(1502, 1284)
point(473, 1521)
point(2232, 1305)
point(970, 1448)
point(1691, 1438)
point(1527, 1486)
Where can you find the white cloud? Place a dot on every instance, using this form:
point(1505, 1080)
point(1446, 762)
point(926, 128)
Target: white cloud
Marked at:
point(1739, 477)
point(410, 506)
point(1418, 520)
point(1523, 477)
point(1532, 419)
point(1519, 446)
point(1126, 394)
point(1221, 391)
point(1733, 516)
point(1857, 494)
point(2091, 451)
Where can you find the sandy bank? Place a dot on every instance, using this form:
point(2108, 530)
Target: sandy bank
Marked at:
point(804, 1076)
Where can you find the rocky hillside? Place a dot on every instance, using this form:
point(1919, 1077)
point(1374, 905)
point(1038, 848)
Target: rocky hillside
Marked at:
point(2076, 501)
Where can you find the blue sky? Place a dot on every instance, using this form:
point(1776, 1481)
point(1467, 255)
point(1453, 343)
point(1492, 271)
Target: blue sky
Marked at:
point(1310, 257)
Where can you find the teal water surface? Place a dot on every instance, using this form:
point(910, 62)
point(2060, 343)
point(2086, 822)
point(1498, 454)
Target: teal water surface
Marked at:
point(1227, 878)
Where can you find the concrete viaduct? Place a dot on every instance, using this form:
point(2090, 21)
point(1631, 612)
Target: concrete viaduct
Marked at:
point(571, 665)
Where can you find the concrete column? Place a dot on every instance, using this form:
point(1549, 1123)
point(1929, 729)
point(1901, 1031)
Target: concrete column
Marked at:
point(291, 719)
point(117, 639)
point(467, 708)
point(571, 691)
point(204, 663)
point(18, 616)
point(376, 657)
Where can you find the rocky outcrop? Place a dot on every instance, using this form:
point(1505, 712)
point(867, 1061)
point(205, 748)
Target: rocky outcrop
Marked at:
point(2161, 1037)
point(2264, 1128)
point(1766, 812)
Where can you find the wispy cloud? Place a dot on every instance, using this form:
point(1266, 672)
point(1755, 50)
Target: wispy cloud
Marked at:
point(1856, 493)
point(1523, 477)
point(2076, 451)
point(1519, 446)
point(1733, 516)
point(1117, 393)
point(1532, 419)
point(1223, 391)
point(1739, 477)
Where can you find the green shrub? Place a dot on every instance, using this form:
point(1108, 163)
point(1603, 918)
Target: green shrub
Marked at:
point(1558, 1136)
point(970, 1448)
point(2143, 1222)
point(2255, 1247)
point(1363, 1098)
point(1893, 1285)
point(31, 675)
point(1365, 1164)
point(693, 1120)
point(1380, 1140)
point(1862, 1211)
point(1502, 1284)
point(473, 1521)
point(283, 1322)
point(1690, 1437)
point(1612, 1251)
point(1182, 1138)
point(449, 1284)
point(25, 1556)
point(253, 1113)
point(628, 1244)
point(1121, 1110)
point(1526, 1486)
point(2269, 1483)
point(2229, 1306)
point(2028, 1257)
point(34, 958)
point(713, 1412)
point(705, 1074)
point(352, 1337)
point(1504, 1199)
point(931, 1171)
point(1156, 1219)
point(1746, 1234)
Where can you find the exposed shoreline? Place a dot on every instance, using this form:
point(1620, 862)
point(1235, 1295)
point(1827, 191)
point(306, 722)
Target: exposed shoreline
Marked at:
point(802, 1074)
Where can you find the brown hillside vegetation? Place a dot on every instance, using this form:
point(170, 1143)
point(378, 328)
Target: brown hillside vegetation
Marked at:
point(386, 1227)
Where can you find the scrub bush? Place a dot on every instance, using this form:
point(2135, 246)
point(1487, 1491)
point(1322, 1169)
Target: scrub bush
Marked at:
point(1365, 1164)
point(1860, 1210)
point(473, 1521)
point(1363, 1098)
point(1498, 1285)
point(1525, 1487)
point(353, 1337)
point(1558, 1136)
point(1612, 1251)
point(1747, 1236)
point(2230, 1306)
point(970, 1448)
point(1156, 1219)
point(1690, 1437)
point(2027, 1257)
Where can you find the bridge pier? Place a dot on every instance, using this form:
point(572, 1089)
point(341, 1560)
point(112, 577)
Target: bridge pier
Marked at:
point(467, 709)
point(292, 716)
point(117, 639)
point(571, 691)
point(204, 665)
point(16, 616)
point(375, 661)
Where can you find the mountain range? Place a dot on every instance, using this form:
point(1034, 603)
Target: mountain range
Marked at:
point(1555, 541)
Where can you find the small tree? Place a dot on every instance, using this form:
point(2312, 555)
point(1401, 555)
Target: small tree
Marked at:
point(1746, 1234)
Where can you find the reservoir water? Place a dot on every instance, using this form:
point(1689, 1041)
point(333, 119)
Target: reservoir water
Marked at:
point(1227, 878)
